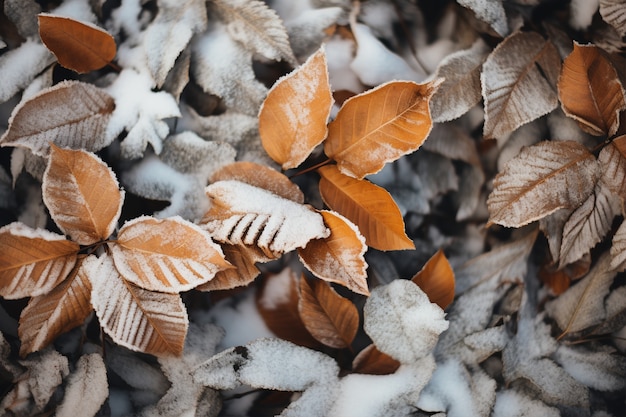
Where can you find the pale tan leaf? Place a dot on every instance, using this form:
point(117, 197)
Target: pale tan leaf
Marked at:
point(612, 161)
point(33, 261)
point(293, 117)
point(374, 362)
point(519, 82)
point(380, 126)
point(490, 12)
point(330, 318)
point(167, 255)
point(82, 195)
point(260, 176)
point(141, 320)
point(542, 179)
point(243, 273)
point(339, 257)
point(48, 316)
point(242, 214)
point(614, 13)
point(87, 388)
point(590, 90)
point(618, 248)
point(70, 114)
point(368, 206)
point(436, 279)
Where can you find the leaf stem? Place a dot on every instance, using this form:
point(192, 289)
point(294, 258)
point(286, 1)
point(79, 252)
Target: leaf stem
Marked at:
point(312, 168)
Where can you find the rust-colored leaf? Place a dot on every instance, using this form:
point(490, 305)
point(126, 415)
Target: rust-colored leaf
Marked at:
point(339, 257)
point(590, 90)
point(436, 279)
point(293, 117)
point(82, 195)
point(168, 255)
point(244, 272)
point(368, 206)
point(330, 318)
point(32, 262)
point(81, 47)
point(374, 362)
point(380, 126)
point(48, 316)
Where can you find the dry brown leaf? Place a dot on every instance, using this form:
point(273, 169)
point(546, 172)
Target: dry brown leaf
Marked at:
point(48, 316)
point(618, 248)
point(141, 320)
point(244, 272)
point(380, 126)
point(374, 362)
point(542, 179)
point(167, 255)
point(590, 90)
point(78, 46)
point(293, 117)
point(518, 82)
point(330, 318)
point(339, 257)
point(70, 114)
point(612, 159)
point(436, 279)
point(82, 195)
point(260, 176)
point(33, 262)
point(368, 206)
point(614, 13)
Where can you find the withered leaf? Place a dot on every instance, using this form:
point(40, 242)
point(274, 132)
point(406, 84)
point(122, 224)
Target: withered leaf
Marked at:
point(614, 13)
point(612, 160)
point(292, 119)
point(87, 387)
point(70, 114)
point(380, 126)
point(436, 279)
point(244, 272)
point(490, 12)
point(590, 90)
point(374, 362)
point(339, 257)
point(618, 248)
point(330, 318)
point(540, 180)
point(78, 46)
point(368, 206)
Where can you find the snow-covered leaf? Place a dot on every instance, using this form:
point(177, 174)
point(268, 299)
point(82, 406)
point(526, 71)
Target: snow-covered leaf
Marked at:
point(70, 114)
point(490, 12)
point(518, 82)
point(20, 66)
point(23, 13)
point(612, 161)
point(87, 388)
point(614, 13)
point(618, 248)
point(308, 30)
point(436, 279)
point(511, 403)
point(601, 370)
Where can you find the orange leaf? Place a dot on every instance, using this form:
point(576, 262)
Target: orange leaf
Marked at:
point(330, 318)
point(338, 257)
point(368, 206)
point(380, 126)
point(243, 273)
point(81, 47)
point(32, 262)
point(292, 119)
point(436, 279)
point(167, 255)
point(260, 176)
point(374, 362)
point(48, 316)
point(82, 195)
point(590, 90)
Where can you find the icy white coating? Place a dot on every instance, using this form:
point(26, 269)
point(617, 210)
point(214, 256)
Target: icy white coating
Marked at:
point(511, 403)
point(87, 388)
point(277, 289)
point(20, 66)
point(582, 12)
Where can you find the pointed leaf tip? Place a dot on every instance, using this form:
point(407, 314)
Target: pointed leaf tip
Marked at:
point(436, 279)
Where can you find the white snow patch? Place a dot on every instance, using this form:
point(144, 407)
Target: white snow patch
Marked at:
point(277, 289)
point(581, 13)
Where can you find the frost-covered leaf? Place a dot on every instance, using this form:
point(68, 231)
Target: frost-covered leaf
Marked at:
point(518, 82)
point(597, 106)
point(436, 279)
point(618, 248)
point(380, 126)
point(490, 12)
point(330, 318)
point(308, 29)
point(540, 180)
point(402, 322)
point(612, 161)
point(82, 195)
point(244, 272)
point(292, 119)
point(166, 255)
point(614, 13)
point(511, 403)
point(70, 114)
point(87, 388)
point(48, 316)
point(33, 261)
point(159, 320)
point(242, 214)
point(339, 257)
point(78, 46)
point(368, 206)
point(257, 27)
point(452, 141)
point(601, 370)
point(20, 66)
point(23, 13)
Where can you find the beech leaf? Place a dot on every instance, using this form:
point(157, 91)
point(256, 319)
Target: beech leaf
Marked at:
point(167, 255)
point(542, 179)
point(33, 261)
point(374, 362)
point(78, 46)
point(339, 257)
point(292, 119)
point(330, 318)
point(380, 126)
point(436, 279)
point(590, 90)
point(87, 388)
point(490, 12)
point(71, 114)
point(368, 206)
point(82, 195)
point(243, 273)
point(618, 248)
point(614, 13)
point(612, 161)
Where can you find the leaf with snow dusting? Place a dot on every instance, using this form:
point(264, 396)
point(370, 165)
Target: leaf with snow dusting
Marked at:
point(20, 66)
point(614, 13)
point(490, 12)
point(87, 388)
